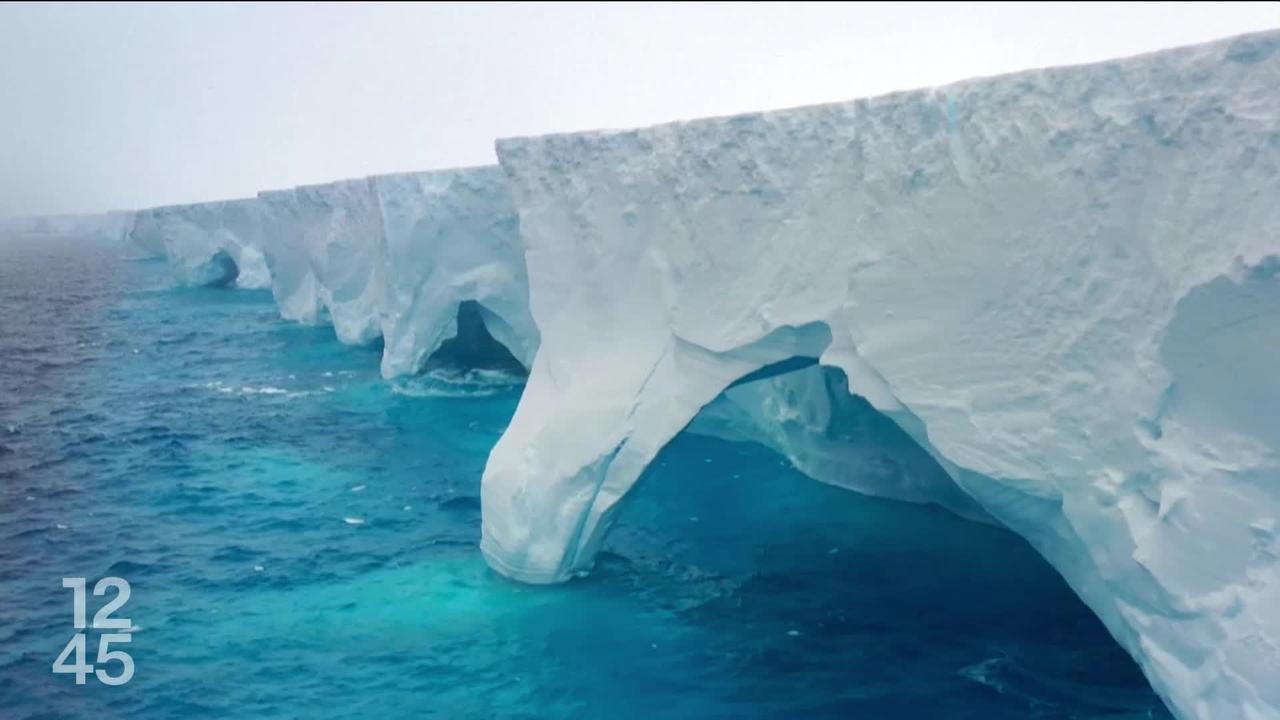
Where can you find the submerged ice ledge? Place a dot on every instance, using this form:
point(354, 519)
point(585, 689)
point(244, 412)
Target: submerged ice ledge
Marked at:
point(1042, 300)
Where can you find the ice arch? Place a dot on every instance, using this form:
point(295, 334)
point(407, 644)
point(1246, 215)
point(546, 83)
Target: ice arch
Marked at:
point(1002, 267)
point(472, 346)
point(396, 257)
point(451, 238)
point(207, 244)
point(634, 404)
point(220, 271)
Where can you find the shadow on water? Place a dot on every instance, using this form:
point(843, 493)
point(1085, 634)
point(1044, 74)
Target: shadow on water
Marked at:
point(822, 602)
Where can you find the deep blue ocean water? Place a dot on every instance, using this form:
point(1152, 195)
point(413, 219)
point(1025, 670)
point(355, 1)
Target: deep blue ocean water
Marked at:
point(300, 539)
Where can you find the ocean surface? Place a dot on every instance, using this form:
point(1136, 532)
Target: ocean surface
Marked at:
point(300, 541)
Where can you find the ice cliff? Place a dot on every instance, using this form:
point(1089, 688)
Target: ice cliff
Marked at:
point(214, 243)
point(450, 237)
point(324, 251)
point(1060, 285)
point(392, 257)
point(395, 256)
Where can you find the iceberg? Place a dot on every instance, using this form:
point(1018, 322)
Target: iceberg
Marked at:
point(405, 257)
point(214, 243)
point(451, 237)
point(396, 256)
point(1059, 285)
point(323, 247)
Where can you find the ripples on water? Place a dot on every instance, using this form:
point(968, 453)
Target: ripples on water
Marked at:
point(301, 542)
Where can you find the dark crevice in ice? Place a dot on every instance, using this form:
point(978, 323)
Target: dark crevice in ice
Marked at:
point(222, 270)
point(473, 348)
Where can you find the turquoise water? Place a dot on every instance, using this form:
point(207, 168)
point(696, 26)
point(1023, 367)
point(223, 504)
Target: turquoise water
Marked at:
point(300, 538)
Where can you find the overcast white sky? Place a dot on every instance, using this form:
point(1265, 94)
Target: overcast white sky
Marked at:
point(128, 106)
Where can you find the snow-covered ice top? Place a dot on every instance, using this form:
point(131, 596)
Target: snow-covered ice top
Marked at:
point(1062, 284)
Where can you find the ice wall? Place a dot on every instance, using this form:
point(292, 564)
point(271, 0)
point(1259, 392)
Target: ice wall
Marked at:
point(1062, 284)
point(323, 245)
point(450, 236)
point(390, 256)
point(214, 243)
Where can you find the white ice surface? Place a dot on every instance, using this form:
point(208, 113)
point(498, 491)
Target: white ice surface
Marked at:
point(206, 243)
point(450, 236)
point(389, 256)
point(323, 245)
point(1063, 284)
